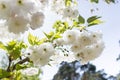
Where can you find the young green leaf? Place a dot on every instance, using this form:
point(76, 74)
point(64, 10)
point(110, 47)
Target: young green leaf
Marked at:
point(20, 66)
point(95, 22)
point(49, 35)
point(15, 53)
point(14, 48)
point(92, 24)
point(93, 18)
point(94, 1)
point(60, 26)
point(81, 20)
point(33, 40)
point(17, 75)
point(75, 24)
point(4, 74)
point(68, 2)
point(56, 36)
point(11, 45)
point(109, 1)
point(2, 46)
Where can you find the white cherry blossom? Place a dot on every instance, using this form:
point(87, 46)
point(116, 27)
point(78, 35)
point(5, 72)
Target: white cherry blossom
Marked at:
point(70, 36)
point(40, 55)
point(4, 9)
point(30, 71)
point(17, 24)
point(89, 53)
point(37, 20)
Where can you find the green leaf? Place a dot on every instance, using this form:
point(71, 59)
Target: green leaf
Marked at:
point(4, 73)
point(14, 48)
point(56, 36)
point(33, 40)
point(42, 41)
point(20, 66)
point(109, 1)
point(11, 44)
point(96, 22)
point(22, 45)
point(81, 20)
point(2, 46)
point(17, 75)
point(60, 26)
point(75, 23)
point(94, 1)
point(82, 27)
point(52, 35)
point(15, 53)
point(68, 2)
point(92, 24)
point(49, 35)
point(93, 18)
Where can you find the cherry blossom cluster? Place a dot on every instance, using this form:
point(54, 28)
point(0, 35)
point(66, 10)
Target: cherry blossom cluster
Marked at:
point(67, 44)
point(40, 54)
point(19, 15)
point(60, 7)
point(84, 46)
point(81, 45)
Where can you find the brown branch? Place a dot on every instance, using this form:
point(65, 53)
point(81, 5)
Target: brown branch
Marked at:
point(21, 62)
point(8, 69)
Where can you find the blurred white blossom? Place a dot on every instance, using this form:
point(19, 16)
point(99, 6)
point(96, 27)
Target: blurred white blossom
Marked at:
point(69, 12)
point(17, 24)
point(59, 42)
point(41, 54)
point(57, 58)
point(85, 45)
point(4, 9)
point(21, 15)
point(57, 6)
point(30, 71)
point(4, 61)
point(70, 36)
point(5, 35)
point(37, 20)
point(76, 47)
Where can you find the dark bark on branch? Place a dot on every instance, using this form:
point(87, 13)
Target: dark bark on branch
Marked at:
point(8, 69)
point(14, 66)
point(21, 62)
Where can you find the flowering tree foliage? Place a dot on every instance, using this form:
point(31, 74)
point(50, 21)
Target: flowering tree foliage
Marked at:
point(76, 71)
point(68, 41)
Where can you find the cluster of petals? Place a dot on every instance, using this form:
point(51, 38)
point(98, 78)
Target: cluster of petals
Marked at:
point(59, 7)
point(85, 45)
point(21, 14)
point(30, 71)
point(40, 54)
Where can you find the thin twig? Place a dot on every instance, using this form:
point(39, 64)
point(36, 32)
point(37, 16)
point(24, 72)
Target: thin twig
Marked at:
point(8, 69)
point(21, 62)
